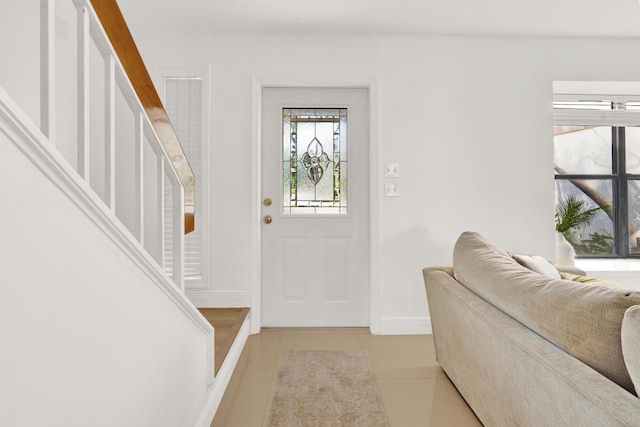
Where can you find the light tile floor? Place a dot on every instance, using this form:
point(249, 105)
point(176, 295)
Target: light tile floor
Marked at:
point(415, 391)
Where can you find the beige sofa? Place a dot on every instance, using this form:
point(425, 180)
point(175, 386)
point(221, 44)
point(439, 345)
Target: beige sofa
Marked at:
point(526, 347)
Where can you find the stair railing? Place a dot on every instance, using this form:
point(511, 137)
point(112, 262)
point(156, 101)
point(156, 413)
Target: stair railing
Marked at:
point(102, 28)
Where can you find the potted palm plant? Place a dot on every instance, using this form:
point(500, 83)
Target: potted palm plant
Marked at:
point(571, 215)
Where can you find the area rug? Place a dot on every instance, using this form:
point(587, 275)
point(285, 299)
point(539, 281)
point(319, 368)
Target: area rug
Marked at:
point(326, 389)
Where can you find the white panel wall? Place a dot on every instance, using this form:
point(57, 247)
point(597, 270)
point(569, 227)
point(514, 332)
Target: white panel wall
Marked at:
point(87, 337)
point(20, 53)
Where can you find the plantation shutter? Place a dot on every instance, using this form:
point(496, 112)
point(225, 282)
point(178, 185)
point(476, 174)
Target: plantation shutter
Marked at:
point(183, 103)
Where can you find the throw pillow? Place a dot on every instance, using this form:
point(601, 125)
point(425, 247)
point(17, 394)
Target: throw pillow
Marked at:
point(588, 280)
point(538, 264)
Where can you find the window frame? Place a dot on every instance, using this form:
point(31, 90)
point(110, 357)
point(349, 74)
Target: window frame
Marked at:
point(618, 118)
point(202, 72)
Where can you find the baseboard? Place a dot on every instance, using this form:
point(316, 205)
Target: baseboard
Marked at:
point(221, 381)
point(405, 325)
point(219, 299)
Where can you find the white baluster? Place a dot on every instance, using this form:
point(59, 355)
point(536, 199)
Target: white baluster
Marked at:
point(110, 131)
point(139, 177)
point(47, 69)
point(161, 215)
point(84, 126)
point(178, 232)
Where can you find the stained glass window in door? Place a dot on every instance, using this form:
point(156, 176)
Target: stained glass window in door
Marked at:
point(314, 160)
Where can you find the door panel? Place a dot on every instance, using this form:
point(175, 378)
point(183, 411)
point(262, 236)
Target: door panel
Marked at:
point(295, 287)
point(315, 251)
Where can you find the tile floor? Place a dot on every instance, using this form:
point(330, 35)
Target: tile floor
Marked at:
point(415, 390)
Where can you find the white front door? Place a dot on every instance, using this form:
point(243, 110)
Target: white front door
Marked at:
point(315, 207)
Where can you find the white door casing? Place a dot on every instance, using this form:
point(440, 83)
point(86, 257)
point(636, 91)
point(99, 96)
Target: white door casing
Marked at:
point(315, 268)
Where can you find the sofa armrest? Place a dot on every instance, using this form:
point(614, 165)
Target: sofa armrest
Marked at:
point(444, 269)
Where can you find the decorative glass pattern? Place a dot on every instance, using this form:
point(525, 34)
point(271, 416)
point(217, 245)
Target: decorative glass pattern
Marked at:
point(314, 158)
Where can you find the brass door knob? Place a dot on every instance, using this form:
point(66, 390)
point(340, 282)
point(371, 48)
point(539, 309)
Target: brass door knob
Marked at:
point(267, 219)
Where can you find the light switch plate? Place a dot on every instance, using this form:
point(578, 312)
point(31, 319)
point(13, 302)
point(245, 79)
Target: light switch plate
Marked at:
point(392, 170)
point(391, 189)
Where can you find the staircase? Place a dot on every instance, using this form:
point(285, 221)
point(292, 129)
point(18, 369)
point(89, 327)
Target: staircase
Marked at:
point(228, 323)
point(95, 330)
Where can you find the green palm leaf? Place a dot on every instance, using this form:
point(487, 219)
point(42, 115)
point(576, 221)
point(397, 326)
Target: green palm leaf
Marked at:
point(571, 213)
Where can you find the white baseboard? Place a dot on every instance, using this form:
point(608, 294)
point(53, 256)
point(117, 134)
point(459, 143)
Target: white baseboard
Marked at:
point(219, 299)
point(405, 325)
point(221, 381)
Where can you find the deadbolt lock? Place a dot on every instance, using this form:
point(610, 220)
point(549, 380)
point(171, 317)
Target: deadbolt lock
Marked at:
point(267, 202)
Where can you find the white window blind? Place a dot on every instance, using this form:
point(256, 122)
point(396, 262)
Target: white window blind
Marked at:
point(183, 103)
point(596, 103)
point(592, 113)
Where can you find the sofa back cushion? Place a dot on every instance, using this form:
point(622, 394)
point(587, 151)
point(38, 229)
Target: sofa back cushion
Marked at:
point(583, 320)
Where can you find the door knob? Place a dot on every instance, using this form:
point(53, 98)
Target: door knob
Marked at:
point(267, 219)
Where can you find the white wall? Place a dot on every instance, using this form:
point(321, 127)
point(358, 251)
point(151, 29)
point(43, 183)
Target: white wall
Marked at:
point(468, 119)
point(20, 70)
point(20, 55)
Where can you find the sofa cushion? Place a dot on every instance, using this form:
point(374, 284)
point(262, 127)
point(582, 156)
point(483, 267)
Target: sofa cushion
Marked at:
point(538, 264)
point(631, 343)
point(583, 320)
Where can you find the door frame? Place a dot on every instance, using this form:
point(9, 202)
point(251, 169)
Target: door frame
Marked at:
point(255, 259)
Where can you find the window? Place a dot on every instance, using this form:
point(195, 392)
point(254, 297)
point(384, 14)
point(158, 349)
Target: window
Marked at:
point(183, 102)
point(314, 160)
point(597, 161)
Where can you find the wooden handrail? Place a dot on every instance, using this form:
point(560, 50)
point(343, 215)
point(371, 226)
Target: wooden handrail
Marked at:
point(118, 32)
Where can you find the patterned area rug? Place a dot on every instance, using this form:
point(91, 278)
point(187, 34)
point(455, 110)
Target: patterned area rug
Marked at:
point(326, 388)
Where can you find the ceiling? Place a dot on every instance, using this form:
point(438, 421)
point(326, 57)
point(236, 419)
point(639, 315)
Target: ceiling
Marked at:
point(572, 18)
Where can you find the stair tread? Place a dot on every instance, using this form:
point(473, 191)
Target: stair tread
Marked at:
point(227, 323)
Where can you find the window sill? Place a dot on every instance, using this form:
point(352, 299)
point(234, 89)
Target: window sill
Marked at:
point(625, 272)
point(608, 264)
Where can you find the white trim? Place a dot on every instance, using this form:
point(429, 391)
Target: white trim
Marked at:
point(567, 89)
point(216, 392)
point(255, 268)
point(84, 91)
point(374, 207)
point(33, 144)
point(48, 69)
point(255, 252)
point(219, 299)
point(405, 326)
